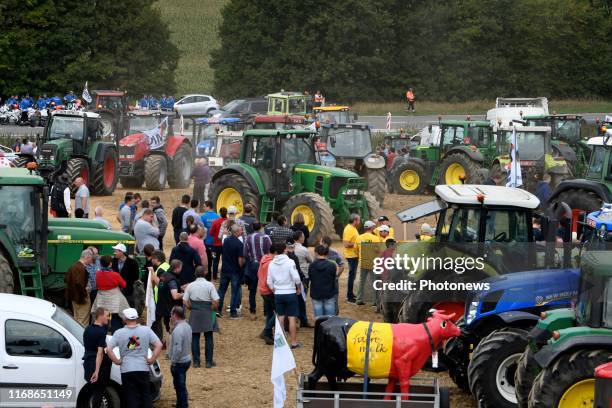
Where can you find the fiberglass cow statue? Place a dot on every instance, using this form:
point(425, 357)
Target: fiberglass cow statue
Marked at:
point(396, 351)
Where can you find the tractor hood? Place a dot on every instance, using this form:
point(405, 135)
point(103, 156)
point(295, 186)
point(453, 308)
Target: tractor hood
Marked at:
point(325, 170)
point(132, 139)
point(55, 151)
point(87, 236)
point(76, 222)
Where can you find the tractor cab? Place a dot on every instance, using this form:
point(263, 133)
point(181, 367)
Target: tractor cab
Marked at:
point(112, 106)
point(331, 114)
point(600, 165)
point(219, 140)
point(289, 103)
point(140, 121)
point(278, 122)
point(567, 128)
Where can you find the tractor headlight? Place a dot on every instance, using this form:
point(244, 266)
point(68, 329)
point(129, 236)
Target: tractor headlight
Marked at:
point(351, 192)
point(471, 312)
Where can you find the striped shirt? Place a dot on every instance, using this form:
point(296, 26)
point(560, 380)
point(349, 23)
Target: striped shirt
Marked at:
point(257, 245)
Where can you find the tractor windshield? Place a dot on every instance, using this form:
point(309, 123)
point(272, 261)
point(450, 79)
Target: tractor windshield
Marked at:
point(18, 218)
point(479, 136)
point(568, 129)
point(297, 106)
point(597, 162)
point(349, 142)
point(399, 144)
point(140, 124)
point(297, 150)
point(327, 117)
point(70, 127)
point(531, 145)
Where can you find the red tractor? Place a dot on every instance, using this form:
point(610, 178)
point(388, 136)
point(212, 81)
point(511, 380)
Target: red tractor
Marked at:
point(153, 154)
point(278, 121)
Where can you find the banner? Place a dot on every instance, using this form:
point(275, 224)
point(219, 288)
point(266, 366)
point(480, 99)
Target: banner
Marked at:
point(86, 96)
point(516, 179)
point(282, 361)
point(156, 137)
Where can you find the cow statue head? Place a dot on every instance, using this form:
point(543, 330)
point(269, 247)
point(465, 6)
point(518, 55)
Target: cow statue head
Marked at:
point(448, 329)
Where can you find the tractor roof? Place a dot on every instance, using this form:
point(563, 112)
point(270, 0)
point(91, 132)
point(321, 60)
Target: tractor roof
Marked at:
point(285, 94)
point(475, 123)
point(107, 92)
point(18, 177)
point(361, 125)
point(597, 262)
point(279, 132)
point(331, 108)
point(490, 195)
point(521, 128)
point(599, 140)
point(81, 114)
point(279, 119)
point(216, 121)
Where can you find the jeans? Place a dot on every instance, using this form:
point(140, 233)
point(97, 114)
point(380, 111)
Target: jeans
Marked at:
point(209, 347)
point(226, 279)
point(179, 378)
point(352, 263)
point(363, 278)
point(210, 262)
point(268, 305)
point(216, 253)
point(251, 280)
point(324, 307)
point(136, 386)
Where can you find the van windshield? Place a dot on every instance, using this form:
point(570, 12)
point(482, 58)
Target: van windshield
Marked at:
point(68, 323)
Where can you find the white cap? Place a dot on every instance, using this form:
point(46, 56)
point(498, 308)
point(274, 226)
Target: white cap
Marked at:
point(384, 228)
point(369, 224)
point(232, 209)
point(130, 314)
point(426, 229)
point(120, 247)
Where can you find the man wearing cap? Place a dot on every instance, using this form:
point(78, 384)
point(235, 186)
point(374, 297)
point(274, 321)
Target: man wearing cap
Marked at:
point(426, 232)
point(384, 233)
point(128, 269)
point(367, 249)
point(133, 341)
point(349, 238)
point(224, 231)
point(384, 220)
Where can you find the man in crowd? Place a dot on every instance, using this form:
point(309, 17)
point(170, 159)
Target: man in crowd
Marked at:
point(96, 364)
point(168, 293)
point(99, 216)
point(543, 189)
point(366, 247)
point(322, 274)
point(81, 197)
point(410, 100)
point(231, 269)
point(60, 198)
point(177, 216)
point(201, 181)
point(217, 246)
point(92, 268)
point(282, 233)
point(302, 313)
point(133, 341)
point(125, 214)
point(384, 220)
point(256, 246)
point(76, 288)
point(272, 225)
point(248, 218)
point(145, 232)
point(202, 299)
point(128, 269)
point(159, 266)
point(192, 211)
point(232, 211)
point(336, 258)
point(208, 218)
point(188, 256)
point(349, 239)
point(180, 355)
point(196, 241)
point(267, 295)
point(160, 217)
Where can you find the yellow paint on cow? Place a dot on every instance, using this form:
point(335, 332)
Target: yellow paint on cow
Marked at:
point(381, 347)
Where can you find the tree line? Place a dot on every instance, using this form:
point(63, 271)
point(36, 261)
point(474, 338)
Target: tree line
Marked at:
point(451, 50)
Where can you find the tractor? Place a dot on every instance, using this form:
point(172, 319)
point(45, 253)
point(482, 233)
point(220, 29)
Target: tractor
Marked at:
point(153, 154)
point(278, 122)
point(349, 146)
point(332, 114)
point(72, 141)
point(36, 251)
point(289, 103)
point(277, 174)
point(219, 140)
point(459, 155)
point(112, 106)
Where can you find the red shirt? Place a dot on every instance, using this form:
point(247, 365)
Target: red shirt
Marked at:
point(390, 157)
point(214, 230)
point(107, 280)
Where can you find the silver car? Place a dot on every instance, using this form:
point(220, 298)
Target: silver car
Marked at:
point(195, 104)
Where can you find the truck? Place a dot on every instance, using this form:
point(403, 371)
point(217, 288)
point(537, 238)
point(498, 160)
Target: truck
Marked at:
point(508, 109)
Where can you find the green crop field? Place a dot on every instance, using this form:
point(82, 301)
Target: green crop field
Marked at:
point(193, 24)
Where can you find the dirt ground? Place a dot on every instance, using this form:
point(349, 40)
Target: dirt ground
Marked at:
point(242, 375)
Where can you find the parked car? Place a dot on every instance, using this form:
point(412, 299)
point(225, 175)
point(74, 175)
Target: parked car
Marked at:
point(7, 153)
point(241, 108)
point(41, 348)
point(195, 105)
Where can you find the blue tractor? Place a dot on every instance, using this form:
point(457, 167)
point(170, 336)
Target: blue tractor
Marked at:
point(218, 140)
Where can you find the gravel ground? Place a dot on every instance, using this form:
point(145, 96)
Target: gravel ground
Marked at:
point(242, 375)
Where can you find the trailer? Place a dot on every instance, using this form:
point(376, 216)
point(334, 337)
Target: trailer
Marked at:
point(424, 393)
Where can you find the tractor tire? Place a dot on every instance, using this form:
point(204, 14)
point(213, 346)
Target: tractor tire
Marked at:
point(373, 207)
point(74, 169)
point(233, 189)
point(131, 182)
point(580, 199)
point(377, 183)
point(409, 179)
point(455, 349)
point(156, 172)
point(492, 367)
point(318, 215)
point(7, 278)
point(569, 381)
point(526, 371)
point(181, 165)
point(458, 165)
point(105, 174)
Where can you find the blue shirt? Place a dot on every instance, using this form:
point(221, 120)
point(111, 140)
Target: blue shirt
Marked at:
point(152, 103)
point(69, 98)
point(170, 103)
point(144, 103)
point(56, 99)
point(91, 273)
point(232, 250)
point(41, 104)
point(207, 219)
point(163, 102)
point(542, 191)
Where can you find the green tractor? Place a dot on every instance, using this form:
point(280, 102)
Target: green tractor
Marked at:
point(289, 103)
point(459, 155)
point(72, 141)
point(36, 251)
point(277, 173)
point(567, 344)
point(349, 146)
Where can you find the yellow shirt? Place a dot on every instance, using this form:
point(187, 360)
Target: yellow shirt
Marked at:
point(367, 253)
point(350, 234)
point(391, 232)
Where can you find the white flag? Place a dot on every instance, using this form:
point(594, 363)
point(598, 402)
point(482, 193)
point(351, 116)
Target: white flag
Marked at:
point(516, 179)
point(282, 361)
point(150, 301)
point(156, 137)
point(86, 96)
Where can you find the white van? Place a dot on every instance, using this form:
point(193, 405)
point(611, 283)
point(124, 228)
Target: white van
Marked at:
point(41, 357)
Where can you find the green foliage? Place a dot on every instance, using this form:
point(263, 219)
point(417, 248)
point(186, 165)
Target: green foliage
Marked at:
point(54, 46)
point(453, 50)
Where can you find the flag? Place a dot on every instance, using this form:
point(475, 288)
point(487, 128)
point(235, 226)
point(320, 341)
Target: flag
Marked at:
point(86, 96)
point(156, 137)
point(150, 301)
point(388, 126)
point(282, 361)
point(516, 179)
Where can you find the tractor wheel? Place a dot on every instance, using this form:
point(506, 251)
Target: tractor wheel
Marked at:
point(581, 200)
point(526, 371)
point(570, 381)
point(233, 189)
point(105, 174)
point(492, 367)
point(455, 350)
point(131, 182)
point(409, 178)
point(7, 279)
point(156, 172)
point(458, 168)
point(373, 207)
point(377, 183)
point(318, 215)
point(74, 169)
point(179, 175)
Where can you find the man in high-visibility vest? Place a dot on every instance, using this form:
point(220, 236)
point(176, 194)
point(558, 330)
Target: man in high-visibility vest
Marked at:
point(410, 100)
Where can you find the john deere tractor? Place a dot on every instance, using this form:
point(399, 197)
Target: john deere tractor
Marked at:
point(72, 141)
point(350, 147)
point(277, 173)
point(464, 148)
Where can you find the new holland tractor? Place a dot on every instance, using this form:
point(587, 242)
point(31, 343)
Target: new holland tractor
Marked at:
point(36, 251)
point(153, 154)
point(458, 156)
point(219, 140)
point(73, 142)
point(277, 174)
point(350, 147)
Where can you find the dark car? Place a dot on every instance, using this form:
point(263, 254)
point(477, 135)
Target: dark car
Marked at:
point(242, 108)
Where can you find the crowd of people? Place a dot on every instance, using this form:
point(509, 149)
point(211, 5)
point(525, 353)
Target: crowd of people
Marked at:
point(42, 102)
point(165, 103)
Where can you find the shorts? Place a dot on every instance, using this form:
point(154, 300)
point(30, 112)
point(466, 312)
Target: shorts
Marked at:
point(286, 305)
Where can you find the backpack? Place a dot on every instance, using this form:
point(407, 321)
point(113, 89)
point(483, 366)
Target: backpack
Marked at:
point(57, 197)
